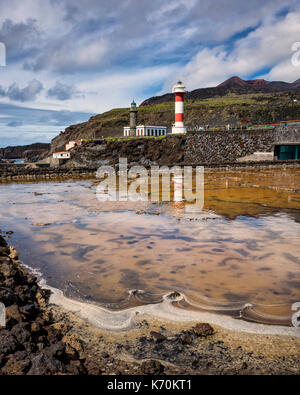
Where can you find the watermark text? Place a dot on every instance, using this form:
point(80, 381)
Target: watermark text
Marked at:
point(2, 55)
point(2, 315)
point(296, 56)
point(296, 316)
point(159, 184)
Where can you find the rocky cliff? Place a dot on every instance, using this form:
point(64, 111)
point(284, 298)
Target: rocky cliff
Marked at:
point(29, 152)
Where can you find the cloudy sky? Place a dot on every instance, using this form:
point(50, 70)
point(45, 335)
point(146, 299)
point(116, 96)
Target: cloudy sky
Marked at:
point(67, 60)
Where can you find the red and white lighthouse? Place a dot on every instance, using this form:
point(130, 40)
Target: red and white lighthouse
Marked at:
point(179, 90)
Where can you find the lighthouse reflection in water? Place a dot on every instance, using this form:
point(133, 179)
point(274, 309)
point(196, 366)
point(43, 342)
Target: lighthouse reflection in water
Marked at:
point(159, 184)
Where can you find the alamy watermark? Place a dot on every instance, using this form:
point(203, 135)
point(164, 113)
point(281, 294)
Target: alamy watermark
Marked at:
point(2, 55)
point(2, 315)
point(296, 316)
point(159, 184)
point(296, 56)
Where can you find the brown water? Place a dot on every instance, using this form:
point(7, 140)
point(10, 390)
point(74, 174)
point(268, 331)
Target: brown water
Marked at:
point(242, 248)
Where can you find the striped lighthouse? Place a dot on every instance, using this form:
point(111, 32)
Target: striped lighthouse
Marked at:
point(179, 90)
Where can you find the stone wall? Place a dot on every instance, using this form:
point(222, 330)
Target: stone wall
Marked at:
point(10, 173)
point(207, 148)
point(224, 147)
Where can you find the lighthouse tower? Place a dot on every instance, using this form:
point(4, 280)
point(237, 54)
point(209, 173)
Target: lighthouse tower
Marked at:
point(133, 119)
point(179, 90)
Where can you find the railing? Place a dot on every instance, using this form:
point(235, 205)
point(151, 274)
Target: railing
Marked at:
point(244, 127)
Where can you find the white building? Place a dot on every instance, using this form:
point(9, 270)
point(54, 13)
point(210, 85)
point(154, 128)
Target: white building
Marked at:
point(72, 144)
point(146, 130)
point(62, 155)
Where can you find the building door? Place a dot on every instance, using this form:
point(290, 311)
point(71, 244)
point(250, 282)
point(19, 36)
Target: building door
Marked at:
point(287, 152)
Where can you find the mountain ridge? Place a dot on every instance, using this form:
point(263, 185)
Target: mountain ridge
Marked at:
point(233, 84)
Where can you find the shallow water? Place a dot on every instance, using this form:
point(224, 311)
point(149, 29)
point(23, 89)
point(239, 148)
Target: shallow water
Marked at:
point(242, 248)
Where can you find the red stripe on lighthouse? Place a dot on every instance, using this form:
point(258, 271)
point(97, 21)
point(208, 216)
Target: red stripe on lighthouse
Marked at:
point(179, 96)
point(178, 117)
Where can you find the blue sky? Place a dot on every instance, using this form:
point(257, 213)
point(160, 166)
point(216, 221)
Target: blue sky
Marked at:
point(68, 60)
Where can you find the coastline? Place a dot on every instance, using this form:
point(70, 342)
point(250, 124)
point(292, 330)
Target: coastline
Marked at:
point(43, 338)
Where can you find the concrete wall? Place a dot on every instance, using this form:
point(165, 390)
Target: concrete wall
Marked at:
point(52, 162)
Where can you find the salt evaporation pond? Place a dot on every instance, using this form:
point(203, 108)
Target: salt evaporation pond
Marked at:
point(243, 248)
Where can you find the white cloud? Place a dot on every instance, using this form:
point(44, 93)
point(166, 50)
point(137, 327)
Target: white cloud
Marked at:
point(104, 53)
point(282, 70)
point(97, 92)
point(269, 46)
point(118, 89)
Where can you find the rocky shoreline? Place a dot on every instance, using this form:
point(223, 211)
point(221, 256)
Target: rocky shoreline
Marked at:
point(10, 173)
point(43, 339)
point(32, 341)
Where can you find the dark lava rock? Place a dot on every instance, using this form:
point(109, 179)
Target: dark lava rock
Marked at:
point(24, 293)
point(6, 269)
point(13, 316)
point(31, 341)
point(36, 327)
point(158, 337)
point(203, 329)
point(244, 365)
point(42, 364)
point(8, 344)
point(54, 334)
point(7, 296)
point(17, 364)
point(152, 367)
point(2, 242)
point(29, 310)
point(186, 338)
point(21, 332)
point(77, 368)
point(56, 350)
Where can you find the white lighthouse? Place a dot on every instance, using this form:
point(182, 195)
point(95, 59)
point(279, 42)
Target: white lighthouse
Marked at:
point(179, 90)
